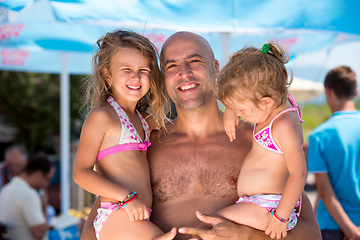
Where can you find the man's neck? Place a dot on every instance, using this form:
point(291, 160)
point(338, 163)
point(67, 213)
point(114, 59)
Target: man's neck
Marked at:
point(346, 105)
point(27, 179)
point(199, 122)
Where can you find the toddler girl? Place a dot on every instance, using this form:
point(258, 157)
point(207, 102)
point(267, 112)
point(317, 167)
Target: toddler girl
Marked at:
point(254, 85)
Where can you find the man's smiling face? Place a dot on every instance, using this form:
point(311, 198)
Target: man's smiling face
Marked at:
point(188, 67)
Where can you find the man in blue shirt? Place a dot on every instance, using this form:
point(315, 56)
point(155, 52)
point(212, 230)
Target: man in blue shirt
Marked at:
point(334, 157)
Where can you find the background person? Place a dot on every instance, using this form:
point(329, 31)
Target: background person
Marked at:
point(15, 159)
point(20, 205)
point(334, 157)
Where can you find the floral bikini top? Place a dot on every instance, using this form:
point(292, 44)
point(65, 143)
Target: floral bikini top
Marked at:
point(130, 138)
point(264, 136)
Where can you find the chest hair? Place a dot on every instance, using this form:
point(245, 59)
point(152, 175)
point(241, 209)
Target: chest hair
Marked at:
point(178, 168)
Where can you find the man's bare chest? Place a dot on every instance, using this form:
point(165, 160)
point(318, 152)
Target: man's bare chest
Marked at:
point(202, 168)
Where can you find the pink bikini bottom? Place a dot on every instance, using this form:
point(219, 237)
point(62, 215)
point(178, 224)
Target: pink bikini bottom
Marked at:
point(270, 202)
point(103, 213)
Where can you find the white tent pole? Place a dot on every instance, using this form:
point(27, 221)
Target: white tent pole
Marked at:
point(226, 48)
point(65, 135)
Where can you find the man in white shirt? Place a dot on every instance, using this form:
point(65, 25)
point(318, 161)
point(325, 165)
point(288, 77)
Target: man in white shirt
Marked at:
point(21, 210)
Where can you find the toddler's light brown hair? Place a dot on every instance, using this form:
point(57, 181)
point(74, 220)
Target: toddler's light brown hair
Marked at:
point(255, 72)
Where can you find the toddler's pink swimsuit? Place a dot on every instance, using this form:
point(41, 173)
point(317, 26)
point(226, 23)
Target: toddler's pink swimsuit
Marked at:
point(264, 136)
point(265, 139)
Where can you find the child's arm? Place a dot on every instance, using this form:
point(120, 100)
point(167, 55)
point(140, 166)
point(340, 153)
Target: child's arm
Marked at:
point(231, 120)
point(287, 133)
point(92, 135)
point(136, 210)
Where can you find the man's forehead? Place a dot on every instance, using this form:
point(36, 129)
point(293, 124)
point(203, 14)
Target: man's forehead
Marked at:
point(14, 153)
point(178, 50)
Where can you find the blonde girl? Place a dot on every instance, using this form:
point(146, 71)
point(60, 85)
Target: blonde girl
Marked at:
point(125, 81)
point(253, 85)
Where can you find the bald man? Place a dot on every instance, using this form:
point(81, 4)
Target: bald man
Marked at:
point(15, 159)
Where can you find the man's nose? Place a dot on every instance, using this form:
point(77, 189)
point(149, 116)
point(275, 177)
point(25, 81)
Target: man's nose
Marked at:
point(185, 71)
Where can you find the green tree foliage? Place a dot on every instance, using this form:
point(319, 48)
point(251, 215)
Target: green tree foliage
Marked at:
point(31, 102)
point(314, 115)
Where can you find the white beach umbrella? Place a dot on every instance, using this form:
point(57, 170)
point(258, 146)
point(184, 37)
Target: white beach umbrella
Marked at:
point(305, 90)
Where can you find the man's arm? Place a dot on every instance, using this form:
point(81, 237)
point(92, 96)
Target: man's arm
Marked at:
point(334, 207)
point(34, 216)
point(306, 228)
point(44, 197)
point(39, 231)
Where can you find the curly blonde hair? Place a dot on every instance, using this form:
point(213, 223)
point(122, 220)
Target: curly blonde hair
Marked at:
point(97, 89)
point(255, 72)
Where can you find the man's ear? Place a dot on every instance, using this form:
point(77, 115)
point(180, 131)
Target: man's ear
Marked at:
point(216, 65)
point(268, 102)
point(329, 93)
point(38, 174)
point(327, 90)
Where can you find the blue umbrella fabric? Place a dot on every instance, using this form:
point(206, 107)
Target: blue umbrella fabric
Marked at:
point(75, 25)
point(215, 16)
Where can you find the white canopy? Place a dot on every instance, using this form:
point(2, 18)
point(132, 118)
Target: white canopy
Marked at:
point(304, 89)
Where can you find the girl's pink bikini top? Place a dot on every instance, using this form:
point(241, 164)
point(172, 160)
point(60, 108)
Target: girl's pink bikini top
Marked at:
point(264, 136)
point(130, 138)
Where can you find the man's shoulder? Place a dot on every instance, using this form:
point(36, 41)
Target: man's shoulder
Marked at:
point(337, 121)
point(20, 187)
point(322, 128)
point(245, 129)
point(245, 126)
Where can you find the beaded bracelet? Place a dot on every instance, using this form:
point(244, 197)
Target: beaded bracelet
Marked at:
point(132, 196)
point(273, 212)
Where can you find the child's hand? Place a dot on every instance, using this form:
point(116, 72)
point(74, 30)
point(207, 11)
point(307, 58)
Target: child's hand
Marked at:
point(137, 210)
point(231, 120)
point(275, 228)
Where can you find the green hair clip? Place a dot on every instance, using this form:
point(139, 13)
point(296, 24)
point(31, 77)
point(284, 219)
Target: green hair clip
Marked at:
point(266, 48)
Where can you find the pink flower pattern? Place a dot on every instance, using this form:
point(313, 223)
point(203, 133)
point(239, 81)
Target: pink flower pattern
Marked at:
point(129, 133)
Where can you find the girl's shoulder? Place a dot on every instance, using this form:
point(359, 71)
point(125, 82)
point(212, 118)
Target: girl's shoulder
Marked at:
point(287, 119)
point(101, 113)
point(287, 126)
point(98, 122)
